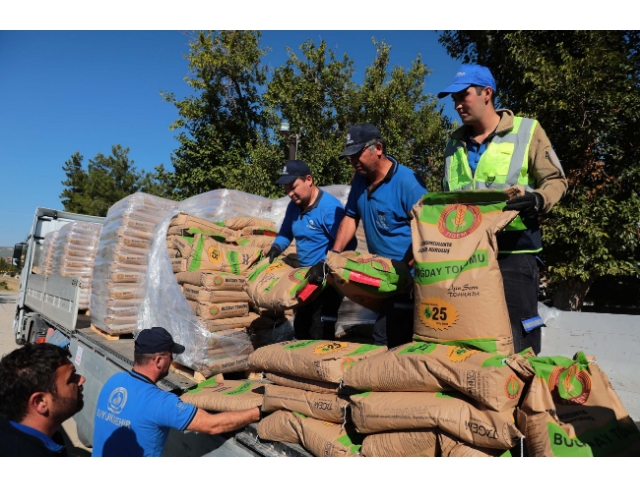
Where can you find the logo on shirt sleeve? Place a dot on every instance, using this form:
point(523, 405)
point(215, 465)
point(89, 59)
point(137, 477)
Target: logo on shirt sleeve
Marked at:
point(117, 400)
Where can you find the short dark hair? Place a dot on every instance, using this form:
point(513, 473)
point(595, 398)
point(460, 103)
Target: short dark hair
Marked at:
point(143, 358)
point(479, 92)
point(374, 142)
point(25, 371)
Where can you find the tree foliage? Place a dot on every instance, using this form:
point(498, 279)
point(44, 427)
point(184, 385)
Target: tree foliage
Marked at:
point(107, 180)
point(583, 88)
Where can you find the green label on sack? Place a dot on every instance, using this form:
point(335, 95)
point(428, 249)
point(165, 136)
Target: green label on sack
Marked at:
point(232, 257)
point(206, 384)
point(363, 349)
point(495, 361)
point(444, 395)
point(431, 272)
point(564, 446)
point(418, 348)
point(301, 344)
point(241, 389)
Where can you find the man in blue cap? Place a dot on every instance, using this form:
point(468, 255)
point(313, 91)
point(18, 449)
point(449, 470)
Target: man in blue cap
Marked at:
point(382, 195)
point(312, 219)
point(494, 150)
point(134, 416)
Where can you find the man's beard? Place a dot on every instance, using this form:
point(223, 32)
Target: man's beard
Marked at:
point(67, 407)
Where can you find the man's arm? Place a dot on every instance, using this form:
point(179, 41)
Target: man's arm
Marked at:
point(346, 232)
point(546, 169)
point(285, 235)
point(214, 424)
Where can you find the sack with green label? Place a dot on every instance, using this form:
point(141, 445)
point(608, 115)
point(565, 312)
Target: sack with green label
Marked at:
point(326, 407)
point(302, 383)
point(452, 412)
point(459, 294)
point(320, 438)
point(368, 279)
point(451, 447)
point(226, 395)
point(416, 443)
point(278, 286)
point(322, 360)
point(570, 409)
point(211, 255)
point(431, 367)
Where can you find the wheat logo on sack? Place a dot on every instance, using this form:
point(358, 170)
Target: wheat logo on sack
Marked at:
point(214, 310)
point(457, 354)
point(217, 281)
point(458, 220)
point(571, 385)
point(117, 400)
point(298, 275)
point(330, 347)
point(512, 387)
point(437, 314)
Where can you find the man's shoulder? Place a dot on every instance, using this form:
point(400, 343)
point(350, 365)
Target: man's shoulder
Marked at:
point(16, 443)
point(329, 201)
point(406, 175)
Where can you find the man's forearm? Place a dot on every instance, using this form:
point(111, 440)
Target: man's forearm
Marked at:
point(214, 424)
point(346, 231)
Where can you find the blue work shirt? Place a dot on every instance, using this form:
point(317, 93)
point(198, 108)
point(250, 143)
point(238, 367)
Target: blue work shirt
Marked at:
point(386, 209)
point(314, 229)
point(133, 417)
point(474, 152)
point(48, 442)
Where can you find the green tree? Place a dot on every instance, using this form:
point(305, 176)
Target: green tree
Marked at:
point(393, 99)
point(107, 180)
point(583, 88)
point(223, 121)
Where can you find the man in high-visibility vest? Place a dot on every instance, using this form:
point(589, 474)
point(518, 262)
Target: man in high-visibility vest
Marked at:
point(493, 150)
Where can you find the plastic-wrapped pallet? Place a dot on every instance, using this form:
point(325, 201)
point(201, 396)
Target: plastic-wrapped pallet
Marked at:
point(75, 254)
point(48, 250)
point(122, 259)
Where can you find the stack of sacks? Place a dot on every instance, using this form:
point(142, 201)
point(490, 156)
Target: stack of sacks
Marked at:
point(459, 294)
point(122, 259)
point(415, 391)
point(304, 398)
point(570, 409)
point(225, 395)
point(367, 279)
point(75, 255)
point(48, 251)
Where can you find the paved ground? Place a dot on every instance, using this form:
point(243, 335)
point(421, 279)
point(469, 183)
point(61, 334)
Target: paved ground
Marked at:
point(7, 344)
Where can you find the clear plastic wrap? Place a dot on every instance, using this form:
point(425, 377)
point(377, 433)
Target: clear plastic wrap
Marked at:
point(49, 247)
point(164, 304)
point(128, 230)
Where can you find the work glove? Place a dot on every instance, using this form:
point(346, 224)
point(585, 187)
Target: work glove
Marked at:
point(528, 205)
point(274, 252)
point(317, 273)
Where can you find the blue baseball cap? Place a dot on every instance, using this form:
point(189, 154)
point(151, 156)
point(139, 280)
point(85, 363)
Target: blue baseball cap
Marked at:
point(292, 170)
point(156, 340)
point(469, 75)
point(359, 135)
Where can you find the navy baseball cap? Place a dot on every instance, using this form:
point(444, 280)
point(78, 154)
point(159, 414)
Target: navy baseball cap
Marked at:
point(156, 340)
point(292, 170)
point(359, 135)
point(469, 75)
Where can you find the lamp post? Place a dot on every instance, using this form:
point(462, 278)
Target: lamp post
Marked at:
point(285, 130)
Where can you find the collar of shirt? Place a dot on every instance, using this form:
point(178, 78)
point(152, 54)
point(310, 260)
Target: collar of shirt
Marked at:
point(392, 170)
point(313, 205)
point(139, 376)
point(48, 442)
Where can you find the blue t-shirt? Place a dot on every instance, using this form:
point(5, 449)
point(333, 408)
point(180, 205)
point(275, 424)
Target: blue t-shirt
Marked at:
point(134, 416)
point(314, 229)
point(385, 211)
point(474, 153)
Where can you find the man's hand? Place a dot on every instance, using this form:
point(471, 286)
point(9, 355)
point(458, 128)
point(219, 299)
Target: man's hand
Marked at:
point(317, 273)
point(274, 252)
point(528, 205)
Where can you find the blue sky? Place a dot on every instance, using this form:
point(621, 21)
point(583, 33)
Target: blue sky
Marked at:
point(68, 91)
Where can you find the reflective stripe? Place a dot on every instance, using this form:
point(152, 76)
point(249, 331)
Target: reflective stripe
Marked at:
point(520, 157)
point(329, 318)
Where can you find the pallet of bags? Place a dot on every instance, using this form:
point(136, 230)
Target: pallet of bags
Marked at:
point(367, 279)
point(223, 395)
point(122, 260)
point(570, 409)
point(75, 255)
point(48, 251)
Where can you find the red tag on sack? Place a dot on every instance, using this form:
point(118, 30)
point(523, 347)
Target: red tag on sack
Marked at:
point(307, 291)
point(364, 279)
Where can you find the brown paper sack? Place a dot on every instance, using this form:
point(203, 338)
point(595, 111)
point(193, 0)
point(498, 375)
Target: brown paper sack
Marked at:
point(215, 281)
point(450, 447)
point(417, 443)
point(312, 359)
point(240, 222)
point(228, 323)
point(430, 367)
point(197, 293)
point(326, 407)
point(226, 395)
point(303, 384)
point(459, 295)
point(210, 255)
point(222, 310)
point(374, 412)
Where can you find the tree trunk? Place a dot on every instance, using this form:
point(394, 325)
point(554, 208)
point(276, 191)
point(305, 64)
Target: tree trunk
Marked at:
point(569, 295)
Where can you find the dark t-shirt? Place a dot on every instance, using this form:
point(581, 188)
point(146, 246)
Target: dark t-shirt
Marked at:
point(15, 442)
